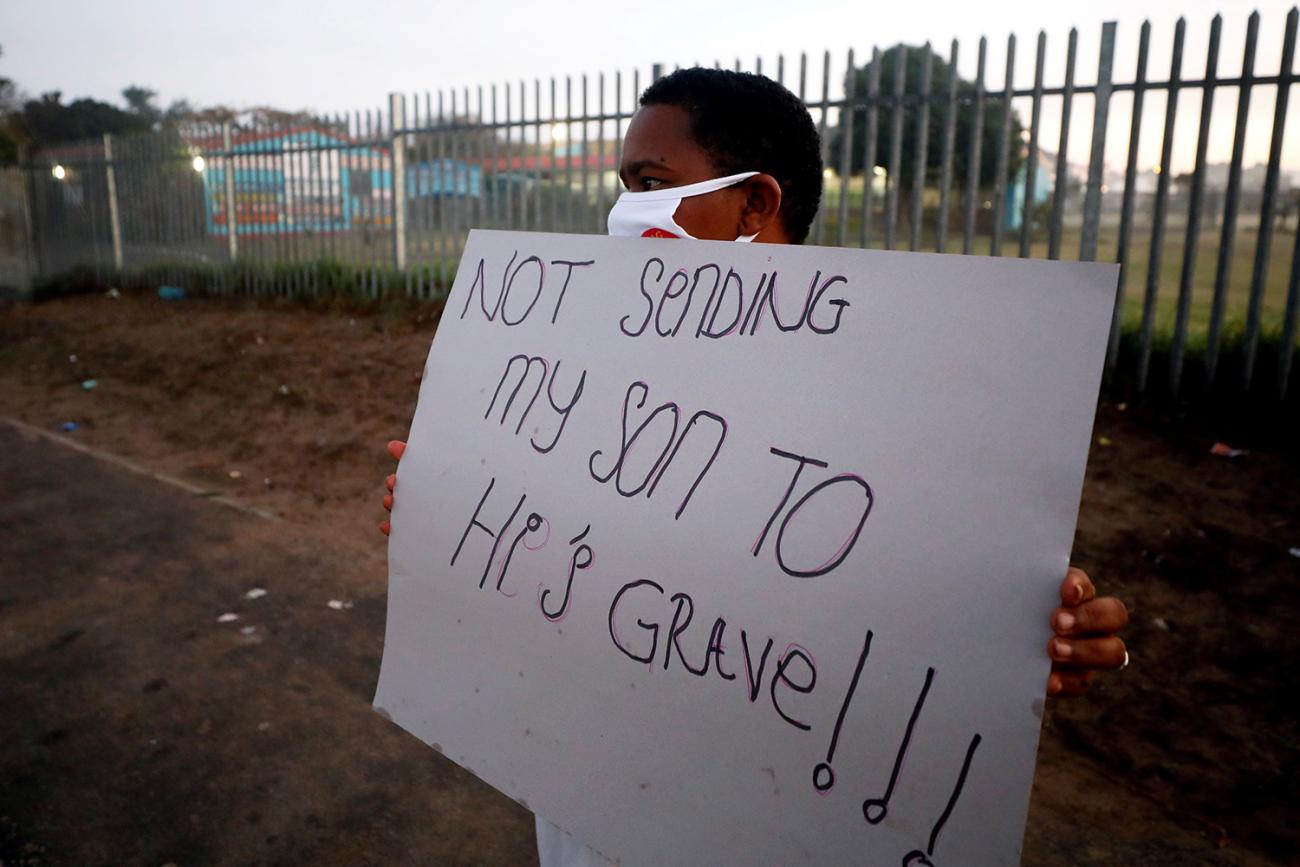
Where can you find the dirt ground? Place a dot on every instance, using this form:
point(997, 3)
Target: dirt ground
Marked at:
point(1191, 756)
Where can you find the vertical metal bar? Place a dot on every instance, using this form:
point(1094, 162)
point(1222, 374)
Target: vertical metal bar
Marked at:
point(1231, 200)
point(568, 153)
point(847, 117)
point(1031, 158)
point(114, 217)
point(281, 162)
point(780, 69)
point(253, 196)
point(272, 158)
point(354, 206)
point(536, 194)
point(308, 240)
point(586, 192)
point(508, 221)
point(469, 203)
point(949, 146)
point(870, 133)
point(302, 238)
point(317, 162)
point(1268, 204)
point(1130, 192)
point(482, 205)
point(438, 186)
point(252, 179)
point(922, 149)
point(895, 146)
point(1161, 207)
point(397, 123)
point(149, 169)
point(342, 223)
point(374, 168)
point(601, 205)
point(494, 191)
point(550, 147)
point(821, 135)
point(521, 220)
point(1062, 166)
point(418, 235)
point(1286, 350)
point(275, 171)
point(460, 169)
point(618, 127)
point(1194, 211)
point(1004, 151)
point(1097, 157)
point(318, 141)
point(973, 153)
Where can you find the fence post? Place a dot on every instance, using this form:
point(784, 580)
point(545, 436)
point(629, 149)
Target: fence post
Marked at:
point(32, 213)
point(31, 260)
point(114, 217)
point(396, 125)
point(232, 213)
point(1096, 162)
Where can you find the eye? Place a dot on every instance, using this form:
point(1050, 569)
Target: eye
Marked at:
point(650, 183)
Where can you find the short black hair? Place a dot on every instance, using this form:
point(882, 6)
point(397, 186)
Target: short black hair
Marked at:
point(747, 122)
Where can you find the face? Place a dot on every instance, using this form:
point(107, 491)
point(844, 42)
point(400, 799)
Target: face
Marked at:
point(659, 152)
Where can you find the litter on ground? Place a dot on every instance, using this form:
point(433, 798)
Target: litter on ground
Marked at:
point(228, 617)
point(255, 593)
point(338, 604)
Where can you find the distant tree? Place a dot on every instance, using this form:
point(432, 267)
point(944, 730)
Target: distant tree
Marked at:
point(139, 101)
point(211, 114)
point(10, 134)
point(270, 116)
point(941, 75)
point(48, 121)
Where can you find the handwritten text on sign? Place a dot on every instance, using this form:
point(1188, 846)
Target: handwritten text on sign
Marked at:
point(727, 553)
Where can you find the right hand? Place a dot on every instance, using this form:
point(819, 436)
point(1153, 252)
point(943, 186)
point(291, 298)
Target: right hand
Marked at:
point(395, 448)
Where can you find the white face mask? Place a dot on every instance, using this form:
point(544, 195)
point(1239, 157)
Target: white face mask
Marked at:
point(651, 214)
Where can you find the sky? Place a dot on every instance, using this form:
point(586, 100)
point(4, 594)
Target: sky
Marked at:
point(330, 55)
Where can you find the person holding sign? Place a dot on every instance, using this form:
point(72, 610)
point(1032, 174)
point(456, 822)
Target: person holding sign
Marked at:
point(718, 155)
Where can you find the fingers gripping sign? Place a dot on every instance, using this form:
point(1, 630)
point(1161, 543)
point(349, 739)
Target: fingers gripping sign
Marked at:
point(395, 450)
point(1084, 640)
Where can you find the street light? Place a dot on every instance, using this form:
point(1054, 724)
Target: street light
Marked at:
point(59, 172)
point(198, 163)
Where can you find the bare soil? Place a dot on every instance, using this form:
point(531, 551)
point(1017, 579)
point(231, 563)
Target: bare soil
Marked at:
point(1191, 756)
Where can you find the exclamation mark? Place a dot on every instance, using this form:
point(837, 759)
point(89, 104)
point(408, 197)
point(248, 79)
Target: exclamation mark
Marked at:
point(823, 775)
point(875, 809)
point(917, 858)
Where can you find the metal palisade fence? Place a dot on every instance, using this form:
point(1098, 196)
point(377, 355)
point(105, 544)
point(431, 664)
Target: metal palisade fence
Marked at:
point(917, 157)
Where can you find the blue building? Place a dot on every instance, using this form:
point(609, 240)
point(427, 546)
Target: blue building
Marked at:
point(314, 179)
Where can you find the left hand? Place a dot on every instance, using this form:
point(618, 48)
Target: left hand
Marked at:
point(1084, 640)
point(395, 450)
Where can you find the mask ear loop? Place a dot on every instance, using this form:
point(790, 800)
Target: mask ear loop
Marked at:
point(745, 239)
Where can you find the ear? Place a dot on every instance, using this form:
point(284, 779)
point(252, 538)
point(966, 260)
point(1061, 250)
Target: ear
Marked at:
point(762, 205)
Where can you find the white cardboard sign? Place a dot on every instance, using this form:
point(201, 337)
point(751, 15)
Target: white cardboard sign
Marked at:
point(721, 553)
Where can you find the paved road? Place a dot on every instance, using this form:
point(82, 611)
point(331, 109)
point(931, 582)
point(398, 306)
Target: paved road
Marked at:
point(136, 729)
